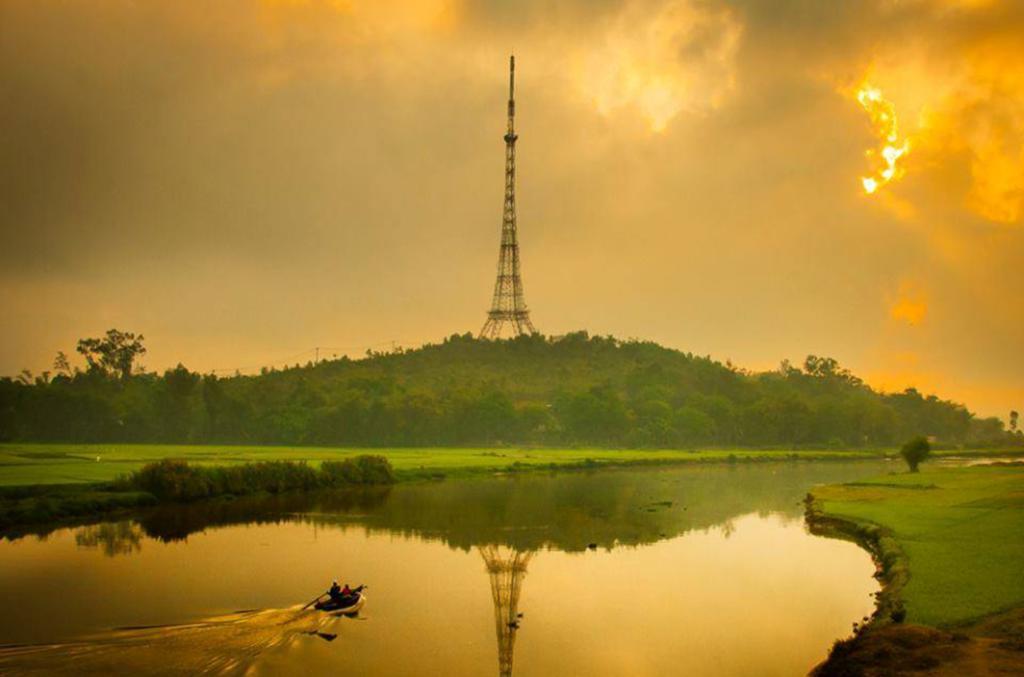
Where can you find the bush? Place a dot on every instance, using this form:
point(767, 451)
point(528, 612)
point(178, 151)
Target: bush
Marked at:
point(915, 451)
point(376, 469)
point(172, 479)
point(176, 480)
point(363, 469)
point(335, 473)
point(275, 477)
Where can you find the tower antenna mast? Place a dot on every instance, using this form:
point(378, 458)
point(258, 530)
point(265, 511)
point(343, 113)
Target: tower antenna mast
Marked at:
point(508, 305)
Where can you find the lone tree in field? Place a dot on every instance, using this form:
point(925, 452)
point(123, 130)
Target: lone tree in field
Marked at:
point(114, 354)
point(915, 451)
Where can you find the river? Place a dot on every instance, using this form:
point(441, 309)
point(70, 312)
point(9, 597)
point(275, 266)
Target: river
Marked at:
point(703, 570)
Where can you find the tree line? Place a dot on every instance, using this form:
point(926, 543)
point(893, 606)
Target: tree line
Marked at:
point(576, 390)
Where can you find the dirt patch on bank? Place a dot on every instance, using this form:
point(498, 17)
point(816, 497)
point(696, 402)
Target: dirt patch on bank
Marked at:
point(994, 646)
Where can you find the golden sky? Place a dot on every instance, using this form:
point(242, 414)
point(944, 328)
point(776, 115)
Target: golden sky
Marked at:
point(244, 180)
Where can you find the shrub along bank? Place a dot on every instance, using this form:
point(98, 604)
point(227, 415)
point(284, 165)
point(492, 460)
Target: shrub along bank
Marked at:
point(175, 480)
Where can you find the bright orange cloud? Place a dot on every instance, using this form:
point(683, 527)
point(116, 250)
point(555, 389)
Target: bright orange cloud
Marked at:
point(910, 305)
point(993, 129)
point(910, 311)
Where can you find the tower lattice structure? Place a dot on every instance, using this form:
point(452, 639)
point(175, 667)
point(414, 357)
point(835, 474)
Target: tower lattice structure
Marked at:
point(508, 305)
point(506, 569)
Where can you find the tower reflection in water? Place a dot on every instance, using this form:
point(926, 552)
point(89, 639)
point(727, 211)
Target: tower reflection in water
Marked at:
point(506, 568)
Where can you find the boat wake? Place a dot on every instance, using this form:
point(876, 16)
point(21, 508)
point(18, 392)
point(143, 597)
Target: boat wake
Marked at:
point(222, 645)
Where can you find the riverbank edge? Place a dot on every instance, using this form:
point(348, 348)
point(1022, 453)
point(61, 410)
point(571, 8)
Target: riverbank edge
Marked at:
point(891, 565)
point(884, 645)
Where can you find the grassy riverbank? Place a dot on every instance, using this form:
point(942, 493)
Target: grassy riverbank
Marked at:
point(36, 464)
point(31, 464)
point(950, 543)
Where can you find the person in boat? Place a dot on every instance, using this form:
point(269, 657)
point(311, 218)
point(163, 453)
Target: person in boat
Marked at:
point(347, 591)
point(336, 592)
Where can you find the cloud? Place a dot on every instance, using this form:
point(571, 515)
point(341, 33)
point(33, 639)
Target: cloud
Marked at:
point(910, 306)
point(661, 59)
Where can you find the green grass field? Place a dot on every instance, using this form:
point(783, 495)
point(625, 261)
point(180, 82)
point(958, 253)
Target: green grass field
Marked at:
point(961, 529)
point(26, 464)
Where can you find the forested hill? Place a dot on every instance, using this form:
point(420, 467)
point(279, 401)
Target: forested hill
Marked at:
point(572, 390)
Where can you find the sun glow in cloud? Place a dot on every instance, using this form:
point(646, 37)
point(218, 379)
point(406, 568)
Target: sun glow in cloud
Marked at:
point(962, 115)
point(883, 120)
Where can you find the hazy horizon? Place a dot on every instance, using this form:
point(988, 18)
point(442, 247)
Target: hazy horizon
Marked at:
point(244, 181)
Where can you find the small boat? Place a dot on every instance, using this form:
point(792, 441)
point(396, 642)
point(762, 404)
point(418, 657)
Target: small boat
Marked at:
point(347, 604)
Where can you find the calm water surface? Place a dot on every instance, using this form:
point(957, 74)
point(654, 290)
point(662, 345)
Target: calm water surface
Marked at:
point(698, 571)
